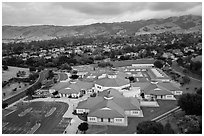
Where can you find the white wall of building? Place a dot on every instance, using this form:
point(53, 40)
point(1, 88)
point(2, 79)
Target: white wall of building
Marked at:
point(92, 119)
point(142, 65)
point(119, 120)
point(101, 88)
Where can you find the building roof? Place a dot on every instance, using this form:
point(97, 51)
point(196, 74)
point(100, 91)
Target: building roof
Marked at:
point(127, 104)
point(156, 73)
point(109, 107)
point(112, 82)
point(155, 89)
point(130, 62)
point(110, 93)
point(142, 85)
point(90, 102)
point(169, 86)
point(76, 87)
point(60, 86)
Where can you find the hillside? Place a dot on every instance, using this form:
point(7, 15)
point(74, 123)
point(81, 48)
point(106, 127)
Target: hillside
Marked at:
point(182, 24)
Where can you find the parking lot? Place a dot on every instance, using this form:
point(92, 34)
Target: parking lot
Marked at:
point(13, 124)
point(59, 129)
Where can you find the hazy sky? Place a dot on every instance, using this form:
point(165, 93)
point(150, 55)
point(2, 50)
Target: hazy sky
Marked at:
point(68, 13)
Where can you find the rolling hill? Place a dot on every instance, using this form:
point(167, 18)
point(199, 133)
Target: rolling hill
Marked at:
point(182, 24)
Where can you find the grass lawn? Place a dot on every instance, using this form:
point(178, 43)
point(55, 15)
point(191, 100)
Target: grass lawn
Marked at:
point(191, 86)
point(149, 113)
point(11, 72)
point(7, 90)
point(96, 129)
point(176, 67)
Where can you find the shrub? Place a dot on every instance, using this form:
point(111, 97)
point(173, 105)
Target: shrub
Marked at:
point(5, 67)
point(4, 105)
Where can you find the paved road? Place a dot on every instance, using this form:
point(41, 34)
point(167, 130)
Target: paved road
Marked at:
point(23, 93)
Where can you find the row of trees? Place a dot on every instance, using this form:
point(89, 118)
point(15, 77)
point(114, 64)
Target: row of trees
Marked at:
point(152, 127)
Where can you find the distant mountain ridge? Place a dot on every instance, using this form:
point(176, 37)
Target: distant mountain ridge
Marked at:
point(182, 24)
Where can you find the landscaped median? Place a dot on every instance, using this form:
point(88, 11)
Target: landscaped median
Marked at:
point(50, 112)
point(25, 112)
point(34, 128)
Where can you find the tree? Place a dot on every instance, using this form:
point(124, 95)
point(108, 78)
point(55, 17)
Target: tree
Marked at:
point(169, 61)
point(50, 74)
point(40, 68)
point(179, 61)
point(189, 124)
point(32, 69)
point(83, 127)
point(186, 79)
point(74, 72)
point(4, 105)
point(158, 64)
point(5, 67)
point(55, 93)
point(149, 127)
point(105, 64)
point(191, 104)
point(199, 91)
point(131, 79)
point(74, 76)
point(168, 129)
point(65, 66)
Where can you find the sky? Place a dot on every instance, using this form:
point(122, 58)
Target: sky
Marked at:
point(83, 13)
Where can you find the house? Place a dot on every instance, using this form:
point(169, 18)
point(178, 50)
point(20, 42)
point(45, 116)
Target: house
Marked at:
point(154, 90)
point(171, 86)
point(76, 88)
point(110, 108)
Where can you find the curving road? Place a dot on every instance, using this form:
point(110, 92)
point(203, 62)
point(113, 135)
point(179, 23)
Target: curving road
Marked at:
point(22, 94)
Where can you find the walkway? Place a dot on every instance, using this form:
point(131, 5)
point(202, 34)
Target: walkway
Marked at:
point(73, 126)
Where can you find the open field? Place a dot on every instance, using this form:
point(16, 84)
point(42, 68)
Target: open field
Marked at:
point(11, 72)
point(17, 125)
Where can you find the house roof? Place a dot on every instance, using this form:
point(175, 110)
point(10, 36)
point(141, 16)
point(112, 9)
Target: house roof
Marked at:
point(90, 102)
point(156, 73)
point(130, 62)
point(155, 89)
point(112, 82)
point(169, 86)
point(60, 86)
point(142, 85)
point(110, 107)
point(76, 87)
point(110, 93)
point(107, 109)
point(127, 104)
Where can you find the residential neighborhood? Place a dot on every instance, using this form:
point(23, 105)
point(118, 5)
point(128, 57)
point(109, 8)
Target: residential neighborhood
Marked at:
point(102, 75)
